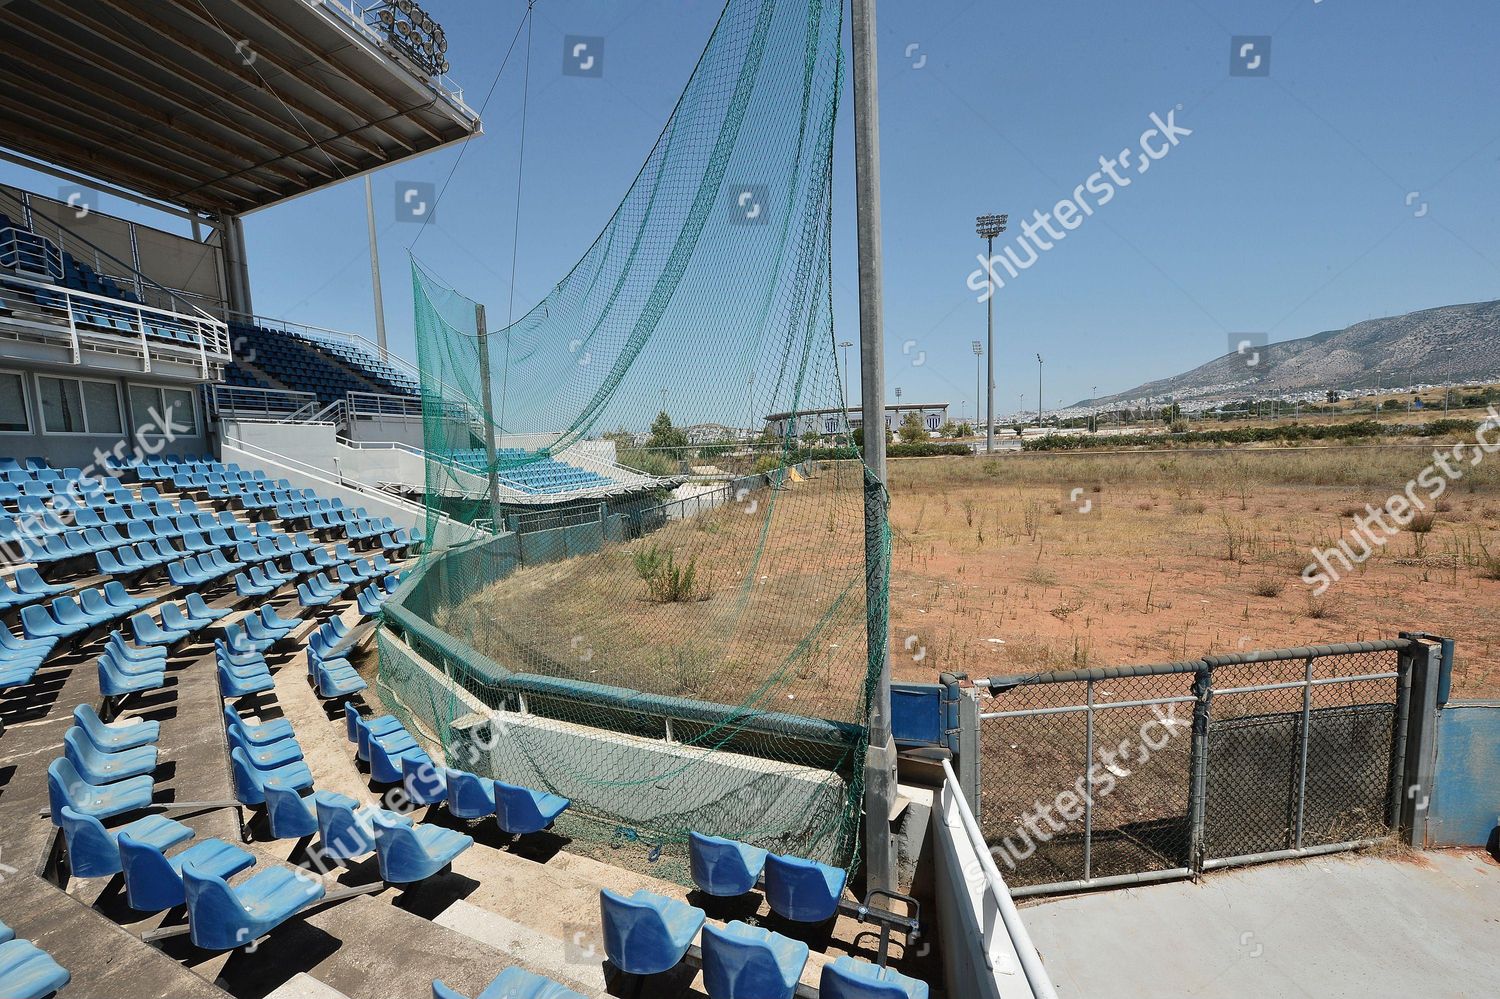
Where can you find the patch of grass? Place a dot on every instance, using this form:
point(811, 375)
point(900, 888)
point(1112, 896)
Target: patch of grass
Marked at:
point(668, 581)
point(1267, 586)
point(1422, 523)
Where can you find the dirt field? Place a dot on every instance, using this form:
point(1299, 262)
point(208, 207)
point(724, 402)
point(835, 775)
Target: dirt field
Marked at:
point(1025, 563)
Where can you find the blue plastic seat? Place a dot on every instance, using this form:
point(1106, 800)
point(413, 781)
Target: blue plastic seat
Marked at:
point(423, 783)
point(469, 796)
point(520, 810)
point(803, 890)
point(221, 917)
point(236, 685)
point(28, 972)
point(512, 983)
point(344, 826)
point(93, 851)
point(647, 934)
point(265, 755)
point(116, 680)
point(724, 867)
point(106, 768)
point(66, 787)
point(289, 814)
point(848, 978)
point(261, 734)
point(749, 962)
point(153, 881)
point(115, 736)
point(409, 853)
point(250, 784)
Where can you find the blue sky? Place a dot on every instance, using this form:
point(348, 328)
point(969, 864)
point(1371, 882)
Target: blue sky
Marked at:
point(1357, 179)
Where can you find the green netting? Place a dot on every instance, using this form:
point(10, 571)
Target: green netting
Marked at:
point(661, 609)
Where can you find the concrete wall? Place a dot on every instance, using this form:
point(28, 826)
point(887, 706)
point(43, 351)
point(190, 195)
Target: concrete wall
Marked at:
point(79, 450)
point(981, 957)
point(1465, 806)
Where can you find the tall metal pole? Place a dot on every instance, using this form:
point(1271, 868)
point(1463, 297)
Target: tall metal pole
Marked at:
point(375, 269)
point(490, 461)
point(1039, 403)
point(880, 763)
point(989, 390)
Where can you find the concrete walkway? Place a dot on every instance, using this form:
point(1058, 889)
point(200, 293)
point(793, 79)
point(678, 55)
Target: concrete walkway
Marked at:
point(1368, 927)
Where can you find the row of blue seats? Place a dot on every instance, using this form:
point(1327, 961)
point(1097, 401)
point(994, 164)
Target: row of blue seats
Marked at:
point(48, 518)
point(29, 588)
point(372, 598)
point(220, 917)
point(27, 971)
point(124, 669)
point(47, 473)
point(270, 499)
point(20, 658)
point(328, 667)
point(647, 934)
point(386, 375)
point(71, 616)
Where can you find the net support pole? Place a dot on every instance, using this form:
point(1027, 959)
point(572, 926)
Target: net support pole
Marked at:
point(880, 761)
point(491, 465)
point(375, 269)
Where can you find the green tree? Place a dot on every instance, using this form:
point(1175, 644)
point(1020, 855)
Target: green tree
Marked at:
point(664, 436)
point(912, 429)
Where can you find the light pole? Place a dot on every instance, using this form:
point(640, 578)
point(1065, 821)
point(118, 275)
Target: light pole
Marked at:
point(846, 344)
point(988, 227)
point(1094, 405)
point(978, 349)
point(1039, 403)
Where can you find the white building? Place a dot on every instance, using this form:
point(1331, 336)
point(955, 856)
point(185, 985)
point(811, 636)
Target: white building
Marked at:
point(832, 422)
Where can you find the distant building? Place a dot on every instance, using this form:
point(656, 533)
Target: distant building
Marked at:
point(832, 422)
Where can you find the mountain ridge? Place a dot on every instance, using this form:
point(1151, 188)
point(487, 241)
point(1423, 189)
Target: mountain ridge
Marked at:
point(1448, 343)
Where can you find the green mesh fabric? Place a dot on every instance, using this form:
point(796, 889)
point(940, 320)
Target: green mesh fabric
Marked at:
point(659, 611)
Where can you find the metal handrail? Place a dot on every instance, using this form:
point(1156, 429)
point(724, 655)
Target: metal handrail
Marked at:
point(995, 887)
point(208, 336)
point(247, 400)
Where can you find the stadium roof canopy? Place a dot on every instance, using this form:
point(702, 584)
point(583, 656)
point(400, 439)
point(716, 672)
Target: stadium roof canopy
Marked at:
point(223, 106)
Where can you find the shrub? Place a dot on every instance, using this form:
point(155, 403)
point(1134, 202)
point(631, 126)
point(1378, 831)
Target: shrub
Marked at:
point(668, 581)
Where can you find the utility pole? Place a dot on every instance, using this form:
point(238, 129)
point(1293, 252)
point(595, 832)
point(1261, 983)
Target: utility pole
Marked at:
point(880, 761)
point(490, 460)
point(375, 269)
point(988, 227)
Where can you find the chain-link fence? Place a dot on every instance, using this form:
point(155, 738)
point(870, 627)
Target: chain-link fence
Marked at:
point(1139, 773)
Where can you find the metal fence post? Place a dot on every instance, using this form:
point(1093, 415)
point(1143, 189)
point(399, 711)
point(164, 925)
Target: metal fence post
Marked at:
point(1421, 739)
point(1203, 690)
point(1399, 726)
point(1088, 799)
point(1306, 734)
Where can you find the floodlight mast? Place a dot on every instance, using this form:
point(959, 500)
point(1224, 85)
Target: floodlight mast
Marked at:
point(988, 227)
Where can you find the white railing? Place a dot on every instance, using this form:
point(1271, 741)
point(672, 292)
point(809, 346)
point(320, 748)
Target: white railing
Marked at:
point(82, 316)
point(984, 910)
point(248, 402)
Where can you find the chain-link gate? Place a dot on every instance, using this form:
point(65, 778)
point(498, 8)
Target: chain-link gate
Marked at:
point(1140, 773)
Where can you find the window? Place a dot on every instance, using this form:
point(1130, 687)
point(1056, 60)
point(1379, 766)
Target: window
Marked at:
point(155, 410)
point(14, 416)
point(75, 406)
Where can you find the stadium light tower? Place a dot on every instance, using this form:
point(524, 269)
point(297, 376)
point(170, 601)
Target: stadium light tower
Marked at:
point(1039, 402)
point(988, 227)
point(978, 349)
point(846, 344)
